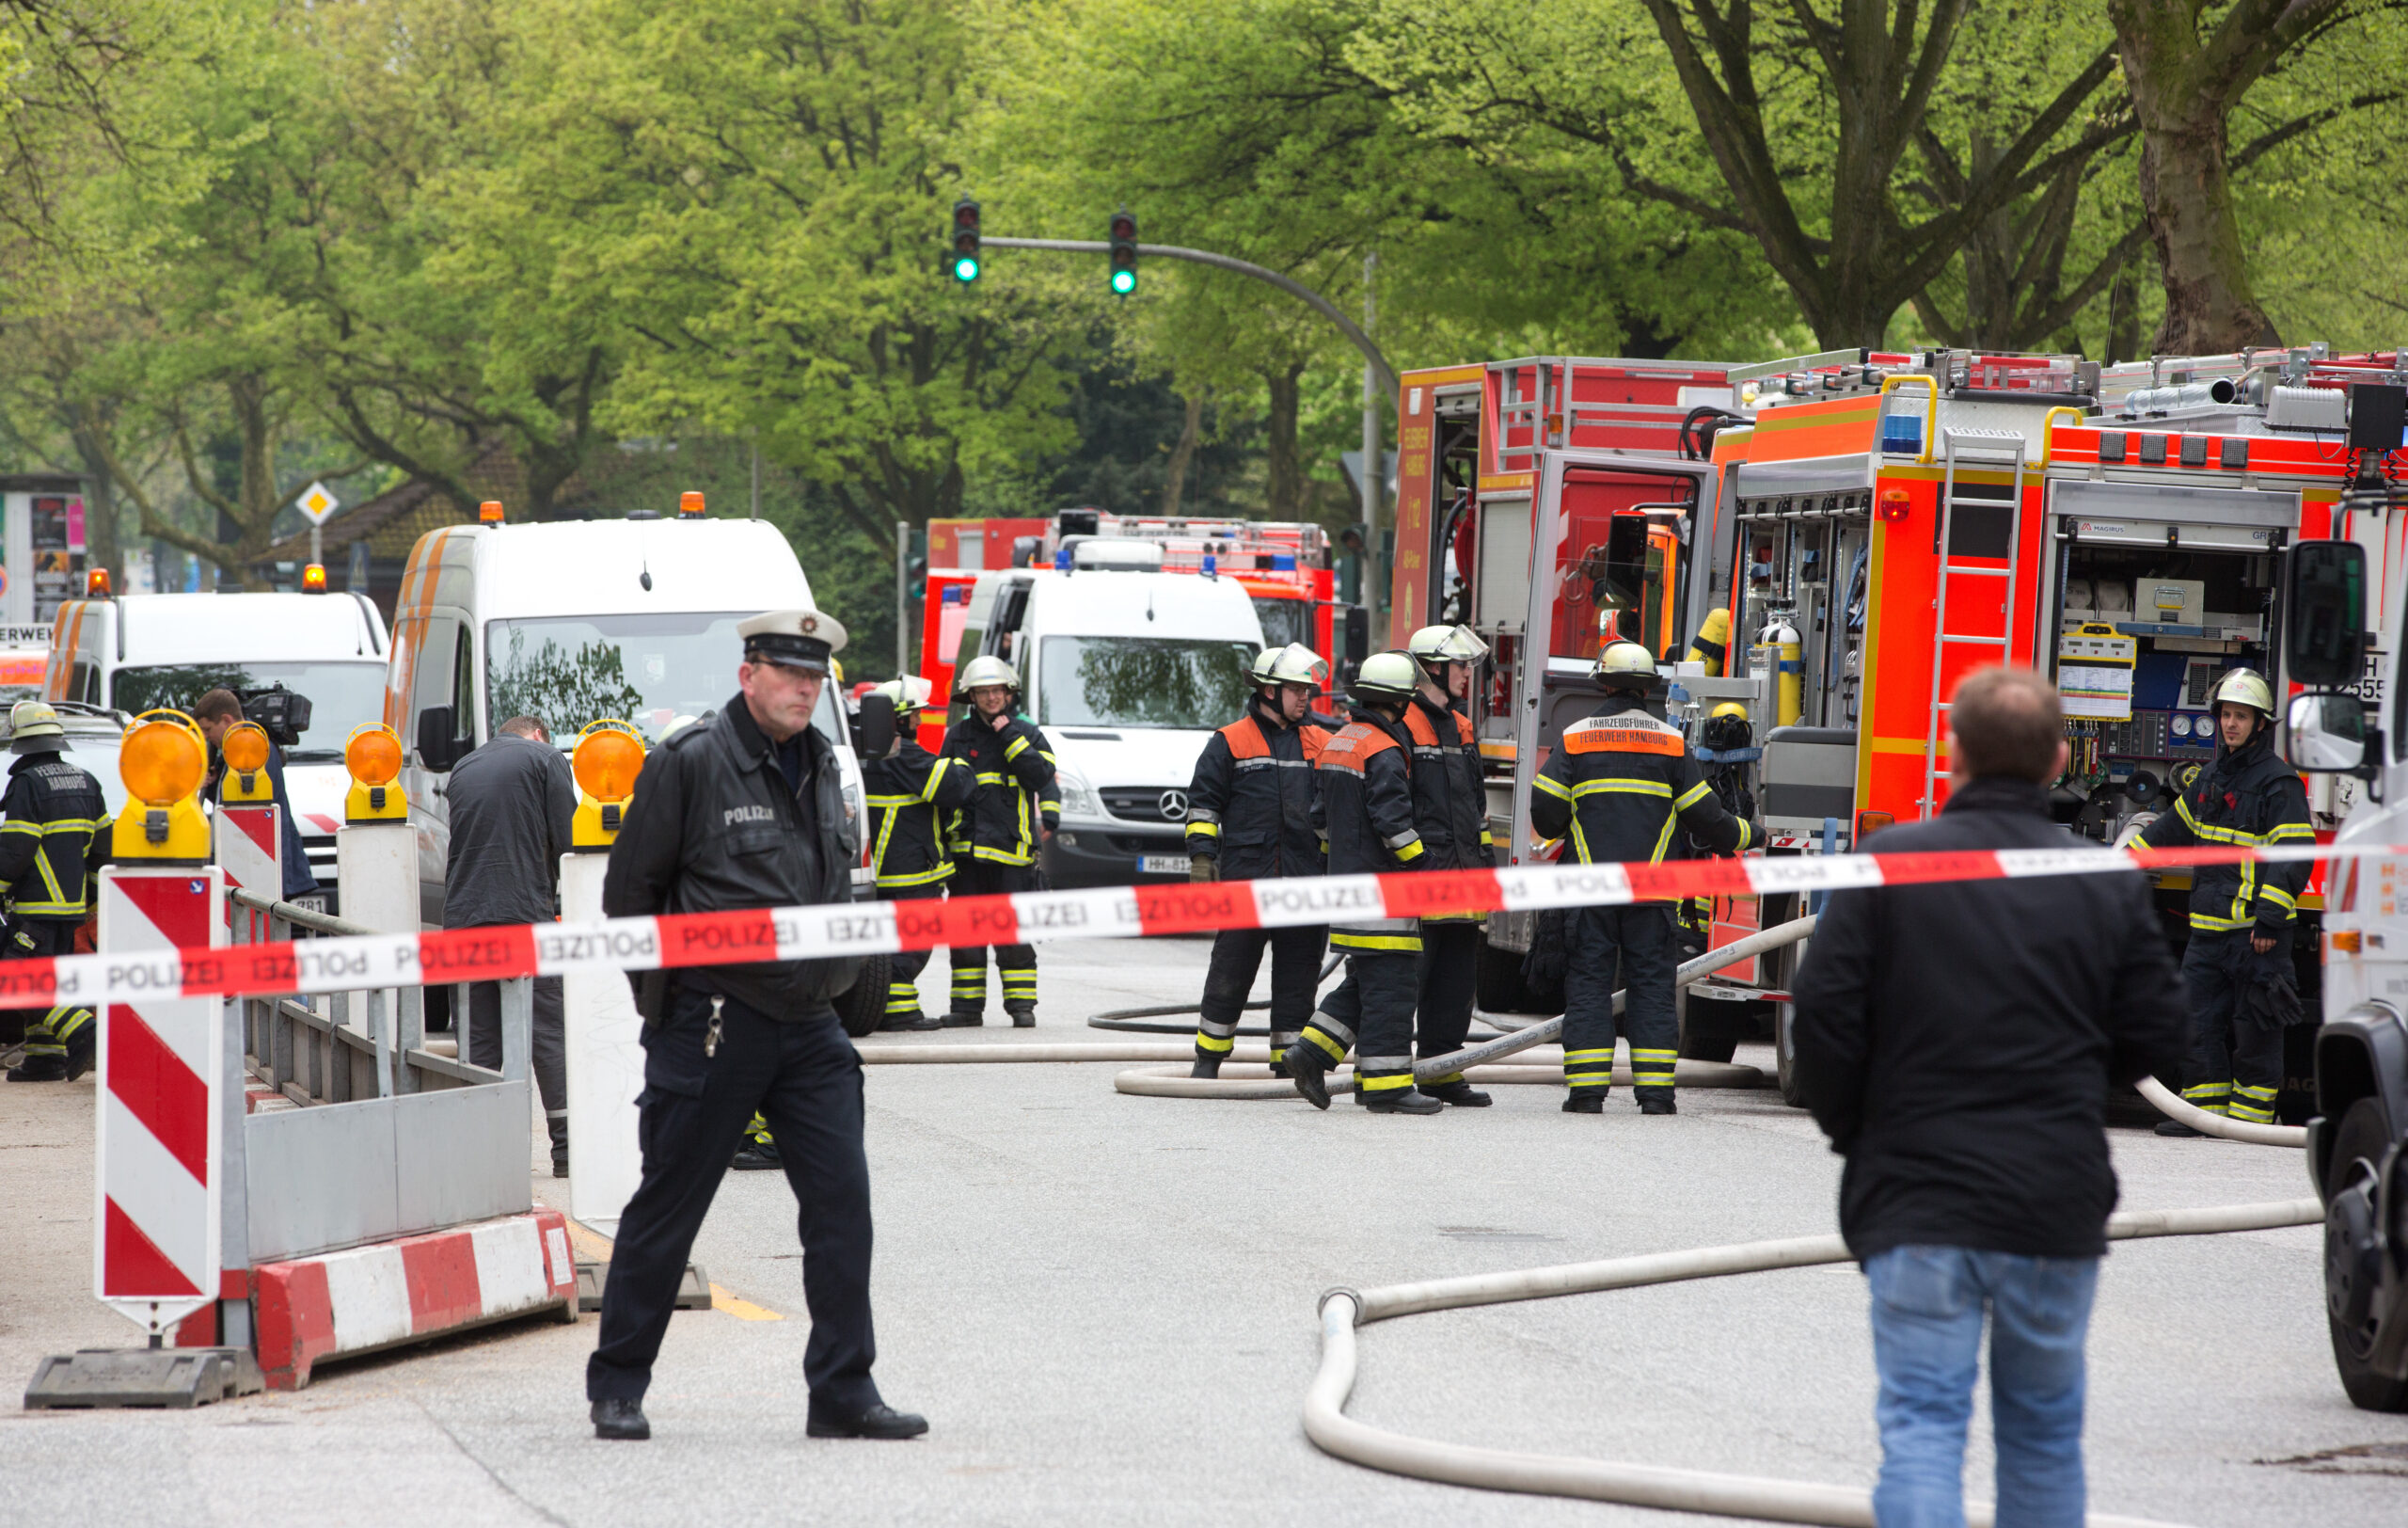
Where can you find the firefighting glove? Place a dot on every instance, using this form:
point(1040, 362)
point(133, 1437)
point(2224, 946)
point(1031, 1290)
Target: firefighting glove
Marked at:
point(1203, 867)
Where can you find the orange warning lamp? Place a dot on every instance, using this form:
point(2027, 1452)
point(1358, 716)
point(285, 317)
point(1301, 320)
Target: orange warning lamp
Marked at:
point(96, 583)
point(1893, 505)
point(489, 513)
point(372, 754)
point(161, 761)
point(245, 752)
point(313, 579)
point(608, 757)
point(689, 505)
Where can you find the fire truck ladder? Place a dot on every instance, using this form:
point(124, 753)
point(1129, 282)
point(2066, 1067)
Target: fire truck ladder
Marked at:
point(1989, 449)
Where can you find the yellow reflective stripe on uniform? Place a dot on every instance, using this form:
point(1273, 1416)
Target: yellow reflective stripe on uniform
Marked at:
point(1336, 1051)
point(1214, 1043)
point(2277, 896)
point(22, 825)
point(1409, 853)
point(1204, 829)
point(1548, 784)
point(2208, 923)
point(2282, 831)
point(1589, 1080)
point(1690, 796)
point(988, 778)
point(1013, 749)
point(1663, 841)
point(1409, 944)
point(1581, 841)
point(1622, 787)
point(886, 801)
point(2209, 830)
point(921, 878)
point(1747, 833)
point(1376, 1085)
point(998, 856)
point(1575, 1058)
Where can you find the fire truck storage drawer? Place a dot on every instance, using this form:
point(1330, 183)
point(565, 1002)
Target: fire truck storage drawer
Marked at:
point(1809, 774)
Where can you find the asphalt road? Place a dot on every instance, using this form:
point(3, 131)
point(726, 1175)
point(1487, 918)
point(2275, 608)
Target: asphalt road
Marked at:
point(1106, 1305)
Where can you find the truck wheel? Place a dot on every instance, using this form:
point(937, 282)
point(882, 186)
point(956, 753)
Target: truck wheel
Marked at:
point(2353, 1260)
point(1709, 1028)
point(862, 1009)
point(1497, 984)
point(1785, 1048)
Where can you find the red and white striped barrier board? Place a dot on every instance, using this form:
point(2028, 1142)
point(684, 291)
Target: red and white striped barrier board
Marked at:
point(790, 934)
point(160, 1049)
point(249, 840)
point(356, 1301)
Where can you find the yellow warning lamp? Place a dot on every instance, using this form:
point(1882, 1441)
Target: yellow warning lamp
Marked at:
point(489, 513)
point(372, 753)
point(96, 583)
point(689, 505)
point(245, 752)
point(161, 761)
point(313, 579)
point(608, 757)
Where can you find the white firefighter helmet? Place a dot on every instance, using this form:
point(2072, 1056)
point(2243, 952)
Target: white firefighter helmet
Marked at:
point(981, 672)
point(1623, 664)
point(34, 728)
point(1434, 644)
point(1295, 663)
point(909, 693)
point(1386, 676)
point(2246, 687)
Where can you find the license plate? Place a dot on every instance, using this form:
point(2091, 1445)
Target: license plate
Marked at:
point(1161, 865)
point(315, 902)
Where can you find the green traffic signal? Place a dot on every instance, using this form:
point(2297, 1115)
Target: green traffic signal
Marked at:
point(965, 270)
point(1124, 282)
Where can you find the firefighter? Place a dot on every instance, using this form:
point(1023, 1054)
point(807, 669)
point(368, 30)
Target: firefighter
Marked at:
point(53, 843)
point(1450, 812)
point(910, 791)
point(1725, 746)
point(1012, 809)
point(2237, 965)
point(1620, 785)
point(1250, 816)
point(1367, 810)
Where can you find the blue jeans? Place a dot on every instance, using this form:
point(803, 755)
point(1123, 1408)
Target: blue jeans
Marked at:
point(1927, 1307)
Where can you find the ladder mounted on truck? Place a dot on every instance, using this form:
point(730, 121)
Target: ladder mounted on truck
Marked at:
point(1990, 449)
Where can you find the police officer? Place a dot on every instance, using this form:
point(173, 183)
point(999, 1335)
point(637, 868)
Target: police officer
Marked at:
point(1013, 808)
point(2238, 964)
point(1367, 808)
point(52, 847)
point(1250, 816)
point(1619, 784)
point(910, 791)
point(1450, 812)
point(745, 809)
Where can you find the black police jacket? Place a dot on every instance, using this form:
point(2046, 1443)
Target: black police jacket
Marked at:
point(908, 793)
point(1450, 802)
point(1956, 1041)
point(1619, 783)
point(1251, 802)
point(713, 827)
point(1013, 769)
point(2247, 797)
point(55, 839)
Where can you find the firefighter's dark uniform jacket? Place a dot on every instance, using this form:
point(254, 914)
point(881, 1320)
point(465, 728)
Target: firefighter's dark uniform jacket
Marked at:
point(714, 826)
point(1012, 775)
point(909, 795)
point(1366, 806)
point(2248, 797)
point(1251, 802)
point(1449, 802)
point(55, 838)
point(1617, 783)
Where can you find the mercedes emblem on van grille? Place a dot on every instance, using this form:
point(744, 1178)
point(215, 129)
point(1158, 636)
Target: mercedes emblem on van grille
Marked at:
point(1173, 806)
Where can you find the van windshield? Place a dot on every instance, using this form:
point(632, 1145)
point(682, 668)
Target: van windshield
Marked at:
point(341, 695)
point(655, 671)
point(1140, 682)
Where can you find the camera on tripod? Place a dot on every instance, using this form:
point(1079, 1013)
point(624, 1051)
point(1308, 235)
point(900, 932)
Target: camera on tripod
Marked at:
point(281, 713)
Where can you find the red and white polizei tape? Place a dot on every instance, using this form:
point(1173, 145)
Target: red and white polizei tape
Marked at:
point(793, 934)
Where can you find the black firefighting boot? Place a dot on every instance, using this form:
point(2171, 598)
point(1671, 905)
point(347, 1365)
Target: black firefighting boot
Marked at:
point(559, 1130)
point(759, 1152)
point(1206, 1066)
point(1585, 1102)
point(1462, 1095)
point(50, 1067)
point(962, 1019)
point(1310, 1075)
point(1023, 1013)
point(1404, 1101)
point(1657, 1101)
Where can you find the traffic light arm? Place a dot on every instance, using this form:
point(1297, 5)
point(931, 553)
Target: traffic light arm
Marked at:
point(1320, 304)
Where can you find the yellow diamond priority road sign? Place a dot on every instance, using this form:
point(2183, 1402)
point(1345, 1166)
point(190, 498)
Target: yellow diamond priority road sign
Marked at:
point(318, 504)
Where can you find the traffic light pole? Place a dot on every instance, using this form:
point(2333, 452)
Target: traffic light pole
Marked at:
point(1353, 332)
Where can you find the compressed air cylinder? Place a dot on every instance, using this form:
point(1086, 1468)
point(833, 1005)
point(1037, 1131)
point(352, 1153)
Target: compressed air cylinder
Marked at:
point(1712, 643)
point(1778, 651)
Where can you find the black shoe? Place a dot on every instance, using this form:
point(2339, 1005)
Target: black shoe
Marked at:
point(39, 1069)
point(1652, 1102)
point(880, 1421)
point(904, 1023)
point(756, 1156)
point(1279, 1069)
point(560, 1163)
point(2165, 1127)
point(1462, 1095)
point(558, 1129)
point(1404, 1101)
point(1206, 1066)
point(79, 1055)
point(961, 1019)
point(621, 1420)
point(1023, 1013)
point(1305, 1072)
point(1585, 1104)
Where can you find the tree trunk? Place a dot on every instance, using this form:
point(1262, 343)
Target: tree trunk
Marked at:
point(2186, 194)
point(1286, 466)
point(1190, 435)
point(100, 547)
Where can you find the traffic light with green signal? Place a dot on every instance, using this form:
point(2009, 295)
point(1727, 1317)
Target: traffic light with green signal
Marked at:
point(965, 241)
point(1124, 252)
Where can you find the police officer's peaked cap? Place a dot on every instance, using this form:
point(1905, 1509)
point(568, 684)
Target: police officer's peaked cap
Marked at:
point(803, 639)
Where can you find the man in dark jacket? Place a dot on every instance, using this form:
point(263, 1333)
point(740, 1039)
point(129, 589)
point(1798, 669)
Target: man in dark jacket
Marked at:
point(2238, 963)
point(911, 792)
point(1957, 1041)
point(511, 803)
point(1450, 812)
point(218, 713)
point(53, 843)
point(1366, 809)
point(1014, 807)
point(744, 809)
point(1620, 787)
point(1250, 816)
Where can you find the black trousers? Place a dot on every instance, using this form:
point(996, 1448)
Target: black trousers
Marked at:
point(806, 1077)
point(1450, 971)
point(48, 1031)
point(904, 966)
point(1018, 962)
point(1371, 1011)
point(1295, 977)
point(550, 1039)
point(2234, 1066)
point(1637, 941)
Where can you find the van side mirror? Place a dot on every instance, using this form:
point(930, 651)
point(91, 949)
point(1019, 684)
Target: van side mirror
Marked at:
point(2326, 734)
point(2324, 621)
point(874, 726)
point(436, 747)
point(1359, 634)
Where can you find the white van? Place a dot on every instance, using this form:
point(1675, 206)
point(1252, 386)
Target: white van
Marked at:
point(571, 622)
point(138, 651)
point(1128, 673)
